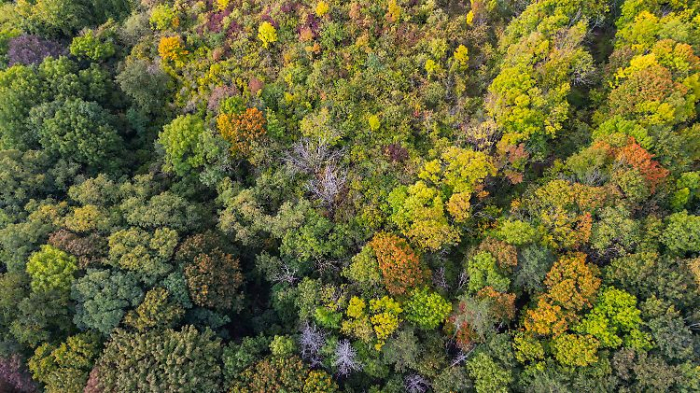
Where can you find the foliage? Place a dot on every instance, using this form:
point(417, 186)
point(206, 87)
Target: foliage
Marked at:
point(427, 310)
point(29, 49)
point(65, 368)
point(243, 130)
point(103, 297)
point(400, 266)
point(51, 269)
point(356, 196)
point(681, 234)
point(172, 49)
point(272, 374)
point(77, 130)
point(156, 310)
point(213, 277)
point(267, 34)
point(180, 139)
point(614, 320)
point(161, 359)
point(92, 46)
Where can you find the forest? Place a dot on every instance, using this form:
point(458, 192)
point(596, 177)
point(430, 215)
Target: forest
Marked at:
point(321, 196)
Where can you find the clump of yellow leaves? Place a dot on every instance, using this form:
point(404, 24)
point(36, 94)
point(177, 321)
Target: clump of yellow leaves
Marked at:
point(379, 324)
point(267, 34)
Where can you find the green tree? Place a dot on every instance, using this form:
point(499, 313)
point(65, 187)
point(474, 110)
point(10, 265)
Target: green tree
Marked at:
point(615, 320)
point(272, 374)
point(157, 310)
point(488, 375)
point(682, 234)
point(146, 83)
point(20, 90)
point(427, 310)
point(95, 46)
point(102, 297)
point(51, 269)
point(180, 140)
point(77, 130)
point(143, 253)
point(44, 316)
point(160, 360)
point(65, 368)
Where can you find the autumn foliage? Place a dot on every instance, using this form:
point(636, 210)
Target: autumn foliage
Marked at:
point(172, 48)
point(572, 285)
point(242, 130)
point(399, 264)
point(213, 276)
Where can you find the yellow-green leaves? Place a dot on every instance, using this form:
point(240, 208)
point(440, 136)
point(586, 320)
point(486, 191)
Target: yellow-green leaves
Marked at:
point(51, 269)
point(322, 8)
point(267, 34)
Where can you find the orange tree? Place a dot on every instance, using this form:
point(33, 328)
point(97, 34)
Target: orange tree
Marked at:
point(399, 264)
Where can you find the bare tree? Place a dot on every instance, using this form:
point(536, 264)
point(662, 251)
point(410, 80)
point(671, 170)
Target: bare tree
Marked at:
point(319, 161)
point(415, 383)
point(345, 359)
point(328, 184)
point(439, 279)
point(463, 279)
point(285, 274)
point(310, 157)
point(311, 341)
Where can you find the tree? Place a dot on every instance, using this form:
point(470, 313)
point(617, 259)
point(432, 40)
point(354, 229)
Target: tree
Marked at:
point(672, 336)
point(148, 255)
point(55, 17)
point(20, 90)
point(529, 105)
point(157, 360)
point(272, 374)
point(345, 360)
point(172, 49)
point(488, 375)
point(419, 212)
point(682, 234)
point(242, 130)
point(373, 324)
point(237, 357)
point(427, 310)
point(77, 130)
point(43, 316)
point(92, 45)
point(267, 34)
point(483, 271)
point(180, 139)
point(13, 372)
point(65, 368)
point(103, 297)
point(571, 287)
point(51, 269)
point(566, 211)
point(572, 283)
point(461, 173)
point(156, 311)
point(615, 320)
point(29, 49)
point(475, 318)
point(575, 350)
point(145, 83)
point(163, 210)
point(364, 270)
point(400, 266)
point(319, 381)
point(213, 277)
point(533, 264)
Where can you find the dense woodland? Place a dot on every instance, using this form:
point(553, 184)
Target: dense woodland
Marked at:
point(349, 196)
